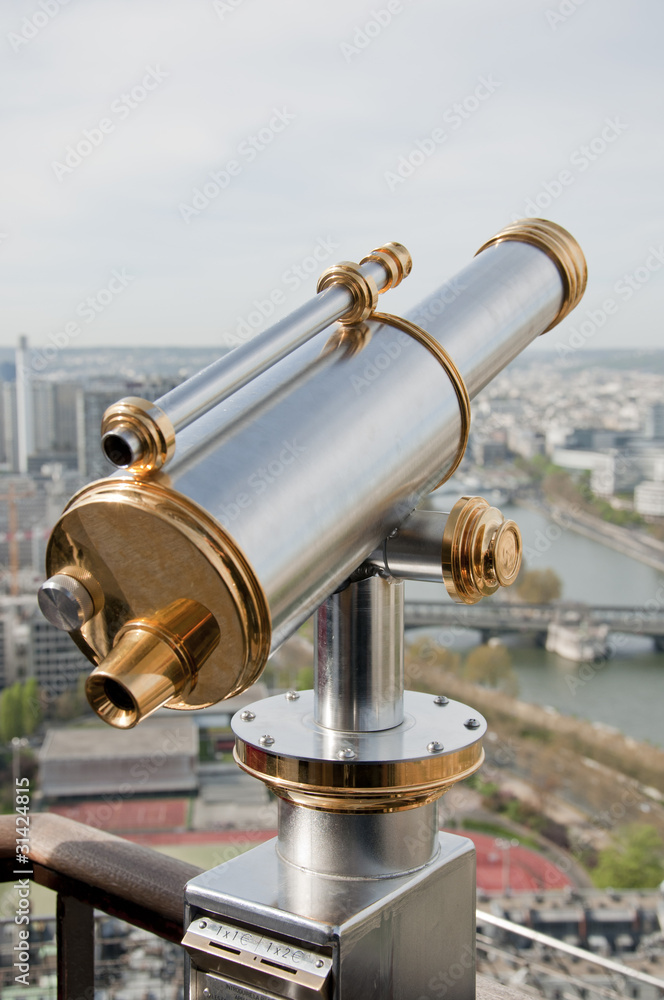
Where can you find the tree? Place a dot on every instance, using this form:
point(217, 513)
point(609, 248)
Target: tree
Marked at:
point(427, 652)
point(305, 679)
point(11, 713)
point(288, 663)
point(635, 860)
point(539, 586)
point(31, 705)
point(426, 663)
point(491, 666)
point(73, 702)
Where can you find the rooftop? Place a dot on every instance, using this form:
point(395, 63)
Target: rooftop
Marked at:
point(153, 738)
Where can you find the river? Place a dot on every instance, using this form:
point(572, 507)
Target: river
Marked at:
point(627, 691)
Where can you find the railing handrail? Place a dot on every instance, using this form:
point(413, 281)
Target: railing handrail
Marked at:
point(519, 930)
point(127, 880)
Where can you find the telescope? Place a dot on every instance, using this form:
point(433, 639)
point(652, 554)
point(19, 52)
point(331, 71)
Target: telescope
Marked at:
point(285, 480)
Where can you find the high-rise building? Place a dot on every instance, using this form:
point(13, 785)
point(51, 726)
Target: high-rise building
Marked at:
point(91, 405)
point(8, 449)
point(655, 421)
point(54, 407)
point(31, 647)
point(24, 405)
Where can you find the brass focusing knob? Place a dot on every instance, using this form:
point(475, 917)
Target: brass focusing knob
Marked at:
point(481, 551)
point(154, 659)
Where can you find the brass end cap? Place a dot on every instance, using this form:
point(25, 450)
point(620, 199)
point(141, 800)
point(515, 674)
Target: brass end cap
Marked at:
point(137, 435)
point(137, 546)
point(563, 250)
point(395, 259)
point(481, 551)
point(153, 660)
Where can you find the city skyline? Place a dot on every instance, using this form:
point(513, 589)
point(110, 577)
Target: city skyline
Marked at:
point(178, 175)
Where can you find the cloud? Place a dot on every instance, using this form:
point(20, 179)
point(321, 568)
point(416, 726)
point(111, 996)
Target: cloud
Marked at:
point(227, 70)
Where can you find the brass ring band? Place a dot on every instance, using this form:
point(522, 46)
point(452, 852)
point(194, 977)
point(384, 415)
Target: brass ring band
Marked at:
point(395, 259)
point(561, 247)
point(358, 787)
point(363, 289)
point(453, 374)
point(150, 424)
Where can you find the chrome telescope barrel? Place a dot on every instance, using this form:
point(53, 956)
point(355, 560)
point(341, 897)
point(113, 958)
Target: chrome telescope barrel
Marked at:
point(141, 435)
point(269, 507)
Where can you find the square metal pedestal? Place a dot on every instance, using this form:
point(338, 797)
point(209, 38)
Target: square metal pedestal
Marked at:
point(259, 927)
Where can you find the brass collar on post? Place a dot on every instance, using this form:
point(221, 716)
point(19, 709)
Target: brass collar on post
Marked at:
point(390, 770)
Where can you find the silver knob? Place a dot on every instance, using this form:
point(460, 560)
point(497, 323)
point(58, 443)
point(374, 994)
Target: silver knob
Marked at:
point(65, 602)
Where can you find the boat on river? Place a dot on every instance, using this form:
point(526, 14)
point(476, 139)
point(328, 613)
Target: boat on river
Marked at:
point(579, 640)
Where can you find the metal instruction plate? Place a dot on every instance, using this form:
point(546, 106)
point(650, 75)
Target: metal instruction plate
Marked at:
point(255, 959)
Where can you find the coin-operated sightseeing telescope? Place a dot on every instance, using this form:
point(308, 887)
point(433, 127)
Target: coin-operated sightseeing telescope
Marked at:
point(282, 480)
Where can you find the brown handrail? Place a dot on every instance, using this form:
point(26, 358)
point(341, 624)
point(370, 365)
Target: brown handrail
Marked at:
point(126, 880)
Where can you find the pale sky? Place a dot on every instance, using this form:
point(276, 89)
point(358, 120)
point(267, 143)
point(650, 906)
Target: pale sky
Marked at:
point(116, 111)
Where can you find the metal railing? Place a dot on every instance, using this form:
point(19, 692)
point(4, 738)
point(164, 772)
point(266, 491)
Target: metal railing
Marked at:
point(92, 870)
point(513, 617)
point(621, 973)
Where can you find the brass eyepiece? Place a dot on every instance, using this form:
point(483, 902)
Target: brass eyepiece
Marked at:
point(481, 551)
point(154, 660)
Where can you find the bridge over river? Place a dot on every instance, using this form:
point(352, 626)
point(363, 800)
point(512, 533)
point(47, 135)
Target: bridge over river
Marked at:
point(494, 617)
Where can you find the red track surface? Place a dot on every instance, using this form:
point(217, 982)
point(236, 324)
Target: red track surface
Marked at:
point(515, 868)
point(124, 816)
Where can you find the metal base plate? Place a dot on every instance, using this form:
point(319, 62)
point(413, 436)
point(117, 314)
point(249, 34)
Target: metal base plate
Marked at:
point(402, 937)
point(293, 731)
